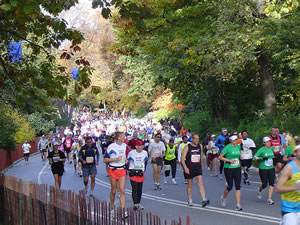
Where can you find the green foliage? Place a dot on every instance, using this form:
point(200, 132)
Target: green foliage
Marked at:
point(40, 125)
point(7, 129)
point(163, 113)
point(141, 112)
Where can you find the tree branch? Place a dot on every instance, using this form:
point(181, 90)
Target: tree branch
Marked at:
point(3, 65)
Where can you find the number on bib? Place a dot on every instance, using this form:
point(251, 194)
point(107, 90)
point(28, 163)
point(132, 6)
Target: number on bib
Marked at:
point(269, 162)
point(195, 158)
point(89, 159)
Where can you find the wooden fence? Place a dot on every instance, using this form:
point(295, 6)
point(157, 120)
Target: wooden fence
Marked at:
point(28, 203)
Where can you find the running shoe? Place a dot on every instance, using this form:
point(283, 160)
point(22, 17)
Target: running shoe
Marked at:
point(238, 207)
point(140, 207)
point(158, 187)
point(259, 194)
point(216, 175)
point(223, 201)
point(112, 213)
point(136, 207)
point(270, 202)
point(247, 182)
point(174, 181)
point(211, 174)
point(185, 181)
point(221, 177)
point(205, 203)
point(155, 187)
point(91, 193)
point(166, 180)
point(190, 202)
point(125, 215)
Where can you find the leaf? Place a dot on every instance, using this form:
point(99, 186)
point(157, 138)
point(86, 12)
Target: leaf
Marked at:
point(6, 7)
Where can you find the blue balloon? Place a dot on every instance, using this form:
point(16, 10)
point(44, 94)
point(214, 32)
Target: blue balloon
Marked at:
point(75, 73)
point(15, 51)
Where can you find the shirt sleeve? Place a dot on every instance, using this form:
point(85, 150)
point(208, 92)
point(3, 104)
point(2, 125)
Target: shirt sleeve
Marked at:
point(257, 154)
point(62, 155)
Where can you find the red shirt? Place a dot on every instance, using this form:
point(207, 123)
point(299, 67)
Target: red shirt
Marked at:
point(132, 143)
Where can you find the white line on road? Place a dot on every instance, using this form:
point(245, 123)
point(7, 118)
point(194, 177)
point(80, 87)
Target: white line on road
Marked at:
point(40, 173)
point(264, 218)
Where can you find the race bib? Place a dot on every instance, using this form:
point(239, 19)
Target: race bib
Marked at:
point(277, 149)
point(167, 167)
point(89, 159)
point(269, 162)
point(236, 162)
point(195, 158)
point(146, 144)
point(122, 160)
point(55, 159)
point(138, 166)
point(215, 150)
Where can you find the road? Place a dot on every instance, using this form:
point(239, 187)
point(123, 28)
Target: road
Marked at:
point(170, 202)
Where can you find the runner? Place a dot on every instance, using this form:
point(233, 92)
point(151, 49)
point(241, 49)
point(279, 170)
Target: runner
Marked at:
point(205, 142)
point(212, 155)
point(74, 153)
point(56, 159)
point(192, 161)
point(276, 143)
point(180, 149)
point(116, 157)
point(68, 146)
point(170, 161)
point(89, 157)
point(248, 146)
point(133, 141)
point(231, 154)
point(219, 143)
point(289, 186)
point(266, 169)
point(26, 150)
point(137, 159)
point(42, 146)
point(156, 151)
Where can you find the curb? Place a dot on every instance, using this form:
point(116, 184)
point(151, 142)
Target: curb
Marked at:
point(15, 162)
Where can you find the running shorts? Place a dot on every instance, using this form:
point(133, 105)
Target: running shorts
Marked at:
point(26, 155)
point(57, 170)
point(193, 173)
point(158, 161)
point(116, 173)
point(211, 156)
point(277, 159)
point(89, 170)
point(246, 163)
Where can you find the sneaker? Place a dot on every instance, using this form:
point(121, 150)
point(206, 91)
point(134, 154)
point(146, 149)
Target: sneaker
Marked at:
point(155, 187)
point(270, 202)
point(174, 181)
point(259, 195)
point(216, 175)
point(223, 201)
point(166, 180)
point(91, 193)
point(208, 168)
point(125, 215)
point(221, 177)
point(185, 181)
point(190, 202)
point(247, 182)
point(205, 203)
point(158, 187)
point(135, 207)
point(141, 207)
point(112, 213)
point(238, 207)
point(211, 174)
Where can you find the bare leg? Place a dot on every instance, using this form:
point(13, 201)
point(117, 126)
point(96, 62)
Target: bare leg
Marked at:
point(238, 196)
point(199, 180)
point(158, 174)
point(270, 191)
point(121, 184)
point(113, 183)
point(92, 182)
point(154, 166)
point(226, 192)
point(189, 188)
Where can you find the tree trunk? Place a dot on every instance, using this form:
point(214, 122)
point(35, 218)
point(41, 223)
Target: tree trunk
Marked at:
point(267, 84)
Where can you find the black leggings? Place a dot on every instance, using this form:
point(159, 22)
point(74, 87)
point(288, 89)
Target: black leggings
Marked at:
point(233, 174)
point(173, 165)
point(137, 188)
point(267, 175)
point(221, 166)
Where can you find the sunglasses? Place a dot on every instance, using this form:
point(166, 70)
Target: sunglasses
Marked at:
point(158, 136)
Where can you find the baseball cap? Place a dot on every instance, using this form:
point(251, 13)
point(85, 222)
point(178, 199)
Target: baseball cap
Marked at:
point(213, 135)
point(43, 135)
point(139, 142)
point(266, 139)
point(224, 129)
point(233, 137)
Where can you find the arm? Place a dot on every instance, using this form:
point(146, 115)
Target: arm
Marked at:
point(218, 142)
point(221, 157)
point(202, 156)
point(97, 157)
point(283, 178)
point(183, 156)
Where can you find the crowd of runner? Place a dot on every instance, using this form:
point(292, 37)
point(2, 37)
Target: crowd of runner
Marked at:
point(128, 145)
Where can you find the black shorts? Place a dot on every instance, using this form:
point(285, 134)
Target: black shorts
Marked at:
point(277, 159)
point(194, 172)
point(26, 155)
point(158, 161)
point(267, 176)
point(246, 163)
point(57, 170)
point(74, 156)
point(67, 150)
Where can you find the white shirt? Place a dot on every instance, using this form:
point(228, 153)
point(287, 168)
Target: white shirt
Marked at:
point(246, 152)
point(214, 149)
point(26, 148)
point(113, 151)
point(137, 160)
point(180, 150)
point(156, 149)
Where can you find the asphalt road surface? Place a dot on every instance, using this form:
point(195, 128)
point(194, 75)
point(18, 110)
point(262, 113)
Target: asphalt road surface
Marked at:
point(170, 202)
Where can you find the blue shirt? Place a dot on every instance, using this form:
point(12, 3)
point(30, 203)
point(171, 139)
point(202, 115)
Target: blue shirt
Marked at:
point(219, 142)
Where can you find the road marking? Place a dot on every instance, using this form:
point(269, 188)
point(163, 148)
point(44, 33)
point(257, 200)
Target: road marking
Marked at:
point(40, 173)
point(259, 217)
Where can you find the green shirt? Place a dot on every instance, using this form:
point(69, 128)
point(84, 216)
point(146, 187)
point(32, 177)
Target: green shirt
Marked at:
point(231, 152)
point(265, 153)
point(288, 151)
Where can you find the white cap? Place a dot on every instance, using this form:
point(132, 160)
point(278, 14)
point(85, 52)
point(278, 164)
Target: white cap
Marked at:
point(213, 135)
point(266, 139)
point(233, 137)
point(224, 129)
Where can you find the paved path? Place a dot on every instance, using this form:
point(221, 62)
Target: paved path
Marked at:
point(171, 201)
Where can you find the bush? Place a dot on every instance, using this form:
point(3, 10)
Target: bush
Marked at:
point(141, 112)
point(7, 130)
point(164, 113)
point(39, 124)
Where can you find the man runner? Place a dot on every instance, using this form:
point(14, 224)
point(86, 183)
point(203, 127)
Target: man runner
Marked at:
point(42, 146)
point(191, 160)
